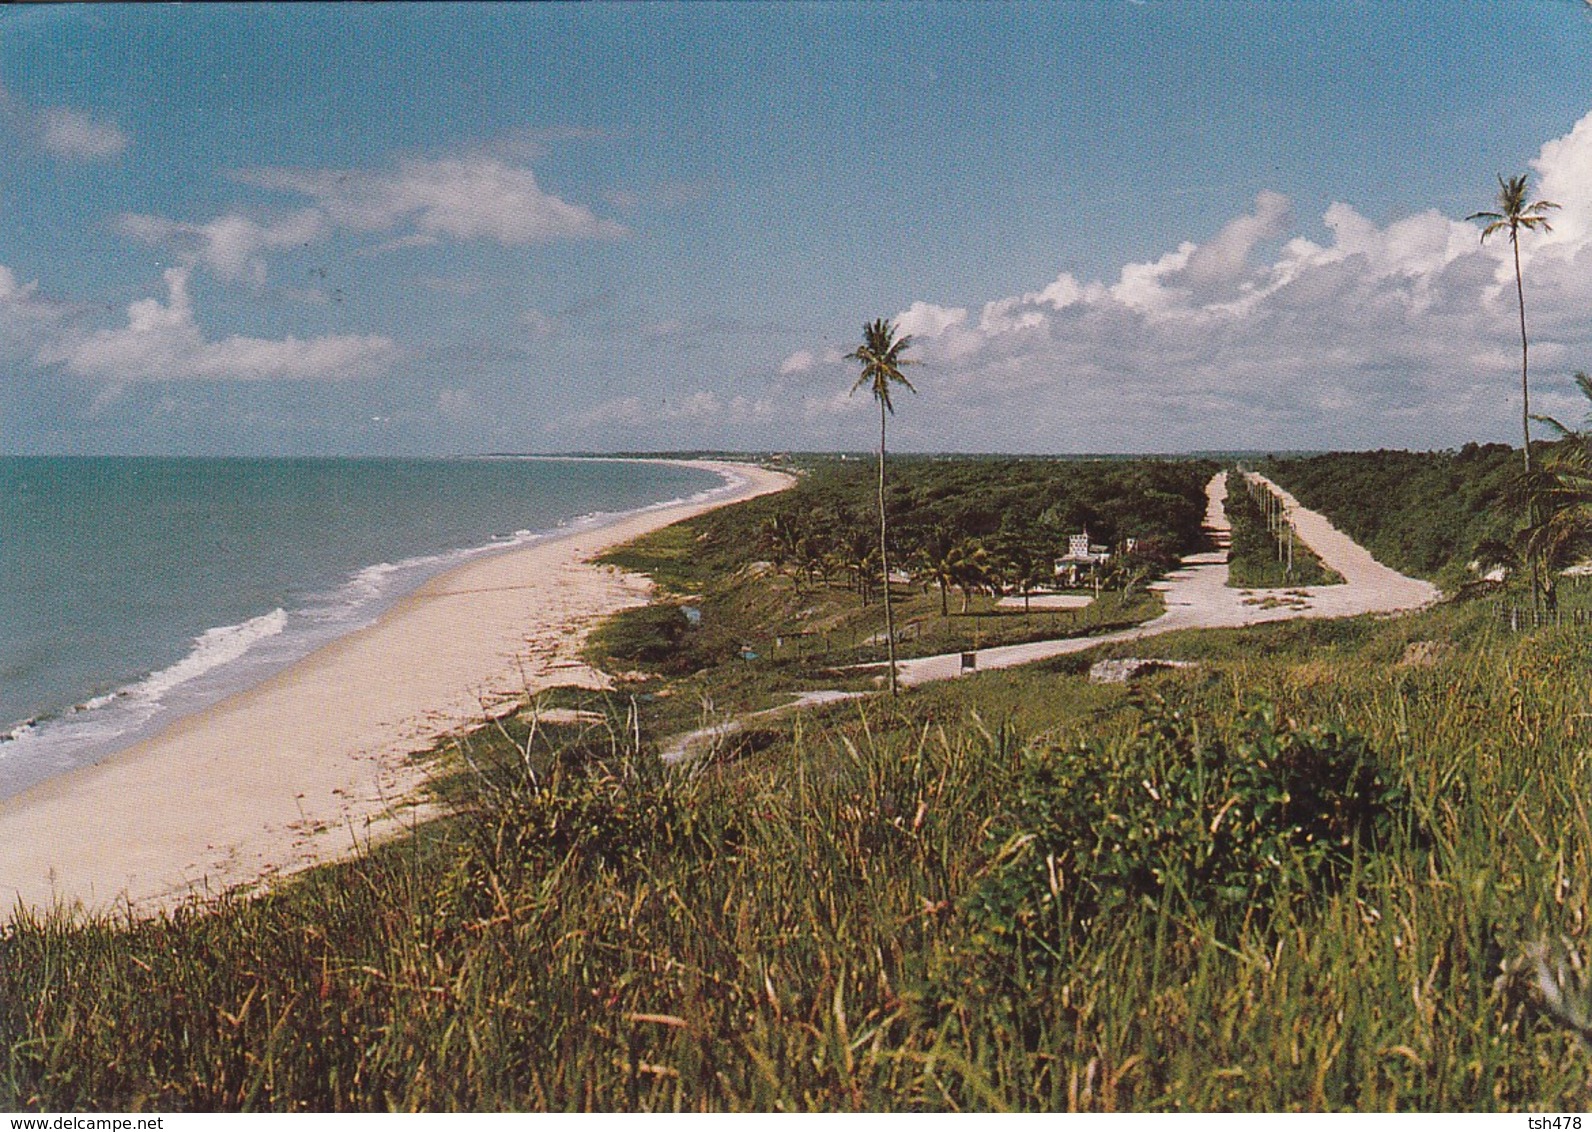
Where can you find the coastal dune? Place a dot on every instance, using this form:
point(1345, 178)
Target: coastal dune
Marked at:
point(314, 762)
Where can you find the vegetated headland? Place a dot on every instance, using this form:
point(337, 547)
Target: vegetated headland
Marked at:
point(1314, 864)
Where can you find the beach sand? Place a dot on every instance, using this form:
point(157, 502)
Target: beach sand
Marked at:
point(313, 763)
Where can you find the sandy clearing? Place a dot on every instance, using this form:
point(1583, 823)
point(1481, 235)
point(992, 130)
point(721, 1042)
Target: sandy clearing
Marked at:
point(313, 763)
point(1046, 601)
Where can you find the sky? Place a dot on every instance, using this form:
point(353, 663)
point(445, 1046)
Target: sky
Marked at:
point(1114, 226)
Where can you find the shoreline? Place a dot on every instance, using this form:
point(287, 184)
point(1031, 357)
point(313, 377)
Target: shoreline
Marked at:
point(106, 719)
point(313, 763)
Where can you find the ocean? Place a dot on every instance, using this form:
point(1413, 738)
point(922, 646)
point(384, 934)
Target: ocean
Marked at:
point(134, 591)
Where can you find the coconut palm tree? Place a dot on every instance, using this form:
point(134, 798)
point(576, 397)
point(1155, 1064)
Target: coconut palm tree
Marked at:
point(970, 568)
point(1560, 495)
point(1513, 214)
point(881, 357)
point(779, 538)
point(935, 562)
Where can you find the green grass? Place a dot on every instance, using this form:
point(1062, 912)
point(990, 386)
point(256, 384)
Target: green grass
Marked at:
point(794, 929)
point(667, 556)
point(1017, 890)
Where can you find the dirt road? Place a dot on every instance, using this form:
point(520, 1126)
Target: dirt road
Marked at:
point(1197, 595)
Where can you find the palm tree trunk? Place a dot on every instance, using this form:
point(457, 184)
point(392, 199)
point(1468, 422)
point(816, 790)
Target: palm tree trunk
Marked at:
point(1525, 414)
point(1525, 388)
point(884, 561)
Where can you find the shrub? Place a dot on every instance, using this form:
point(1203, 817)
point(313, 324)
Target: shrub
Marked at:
point(649, 634)
point(1227, 827)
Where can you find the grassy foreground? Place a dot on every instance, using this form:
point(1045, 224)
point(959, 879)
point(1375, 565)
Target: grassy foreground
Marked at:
point(859, 914)
point(1324, 867)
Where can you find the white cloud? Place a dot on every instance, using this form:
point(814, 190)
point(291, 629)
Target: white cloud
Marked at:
point(1563, 173)
point(71, 135)
point(1395, 333)
point(926, 320)
point(161, 341)
point(1225, 259)
point(27, 318)
point(799, 362)
point(702, 407)
point(476, 197)
point(12, 292)
point(806, 361)
point(229, 245)
point(74, 135)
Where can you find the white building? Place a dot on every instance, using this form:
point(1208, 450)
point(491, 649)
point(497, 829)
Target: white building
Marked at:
point(1081, 553)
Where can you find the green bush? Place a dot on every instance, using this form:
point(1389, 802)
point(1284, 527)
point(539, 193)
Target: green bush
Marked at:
point(650, 634)
point(1184, 818)
point(616, 811)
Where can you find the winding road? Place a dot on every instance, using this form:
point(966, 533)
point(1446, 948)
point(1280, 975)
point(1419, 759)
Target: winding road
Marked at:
point(1196, 596)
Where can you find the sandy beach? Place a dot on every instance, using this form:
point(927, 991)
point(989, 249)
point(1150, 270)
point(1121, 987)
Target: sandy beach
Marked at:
point(314, 763)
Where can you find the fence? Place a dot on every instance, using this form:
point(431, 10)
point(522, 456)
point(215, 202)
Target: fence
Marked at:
point(1522, 619)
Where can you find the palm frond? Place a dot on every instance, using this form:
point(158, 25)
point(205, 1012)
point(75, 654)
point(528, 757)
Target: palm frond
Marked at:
point(1560, 430)
point(1513, 212)
point(881, 357)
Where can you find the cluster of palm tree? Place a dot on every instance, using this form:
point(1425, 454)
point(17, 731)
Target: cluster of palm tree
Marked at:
point(815, 547)
point(830, 545)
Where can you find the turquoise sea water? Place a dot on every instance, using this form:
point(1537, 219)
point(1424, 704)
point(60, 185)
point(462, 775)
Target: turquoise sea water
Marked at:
point(136, 590)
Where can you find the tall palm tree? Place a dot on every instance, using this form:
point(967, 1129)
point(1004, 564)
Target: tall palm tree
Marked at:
point(881, 357)
point(1514, 214)
point(934, 558)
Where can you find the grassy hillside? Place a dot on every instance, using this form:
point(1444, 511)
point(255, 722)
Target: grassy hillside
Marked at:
point(1311, 871)
point(784, 590)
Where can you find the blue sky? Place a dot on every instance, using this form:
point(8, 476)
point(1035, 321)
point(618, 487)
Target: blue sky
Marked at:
point(1113, 226)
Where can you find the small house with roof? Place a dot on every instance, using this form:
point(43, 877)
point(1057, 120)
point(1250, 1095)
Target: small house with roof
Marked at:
point(1081, 554)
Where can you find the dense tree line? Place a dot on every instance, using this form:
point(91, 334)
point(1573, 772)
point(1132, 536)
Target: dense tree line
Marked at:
point(1425, 513)
point(965, 525)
